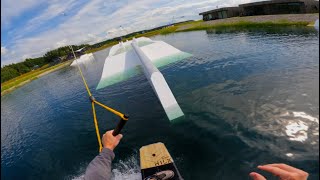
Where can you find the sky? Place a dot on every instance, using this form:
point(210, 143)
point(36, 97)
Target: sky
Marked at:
point(30, 28)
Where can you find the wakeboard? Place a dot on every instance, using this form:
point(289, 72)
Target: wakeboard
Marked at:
point(157, 164)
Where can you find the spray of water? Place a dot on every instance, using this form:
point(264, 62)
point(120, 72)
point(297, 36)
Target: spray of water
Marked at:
point(127, 169)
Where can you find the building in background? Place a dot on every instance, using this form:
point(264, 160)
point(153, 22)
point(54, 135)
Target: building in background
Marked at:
point(264, 8)
point(279, 7)
point(311, 6)
point(220, 13)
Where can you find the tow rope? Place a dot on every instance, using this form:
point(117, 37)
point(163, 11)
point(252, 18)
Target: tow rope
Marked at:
point(123, 120)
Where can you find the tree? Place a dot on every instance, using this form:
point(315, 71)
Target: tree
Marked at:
point(21, 68)
point(8, 73)
point(13, 70)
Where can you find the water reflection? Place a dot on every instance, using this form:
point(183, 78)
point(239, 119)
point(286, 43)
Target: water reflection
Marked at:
point(297, 131)
point(295, 124)
point(269, 30)
point(285, 118)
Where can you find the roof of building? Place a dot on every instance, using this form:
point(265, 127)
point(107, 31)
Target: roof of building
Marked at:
point(271, 2)
point(217, 10)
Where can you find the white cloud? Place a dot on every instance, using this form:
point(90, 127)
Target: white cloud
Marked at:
point(96, 21)
point(61, 43)
point(205, 8)
point(55, 8)
point(4, 50)
point(11, 9)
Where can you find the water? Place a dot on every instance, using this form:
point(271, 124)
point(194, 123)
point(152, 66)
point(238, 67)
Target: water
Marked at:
point(249, 98)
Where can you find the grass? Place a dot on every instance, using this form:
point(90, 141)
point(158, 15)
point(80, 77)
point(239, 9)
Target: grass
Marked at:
point(243, 24)
point(12, 84)
point(168, 30)
point(102, 47)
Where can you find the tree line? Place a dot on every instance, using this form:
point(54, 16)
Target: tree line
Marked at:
point(16, 69)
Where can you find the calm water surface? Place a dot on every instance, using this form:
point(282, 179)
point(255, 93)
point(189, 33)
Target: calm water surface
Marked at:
point(249, 98)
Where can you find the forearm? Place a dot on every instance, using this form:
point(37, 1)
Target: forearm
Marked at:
point(100, 166)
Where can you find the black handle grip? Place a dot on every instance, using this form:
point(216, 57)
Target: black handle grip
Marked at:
point(119, 127)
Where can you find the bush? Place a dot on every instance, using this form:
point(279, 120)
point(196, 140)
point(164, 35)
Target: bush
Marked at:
point(8, 73)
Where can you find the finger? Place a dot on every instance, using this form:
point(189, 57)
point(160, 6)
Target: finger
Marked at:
point(119, 136)
point(256, 176)
point(275, 170)
point(286, 167)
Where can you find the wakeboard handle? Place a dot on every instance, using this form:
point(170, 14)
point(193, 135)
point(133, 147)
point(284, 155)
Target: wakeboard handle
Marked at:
point(120, 125)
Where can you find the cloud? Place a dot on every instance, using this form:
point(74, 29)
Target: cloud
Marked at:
point(11, 8)
point(54, 8)
point(4, 50)
point(89, 21)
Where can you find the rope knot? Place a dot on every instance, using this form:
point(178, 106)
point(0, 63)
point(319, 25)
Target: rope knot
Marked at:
point(92, 99)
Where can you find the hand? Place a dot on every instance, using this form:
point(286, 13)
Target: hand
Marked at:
point(283, 171)
point(109, 141)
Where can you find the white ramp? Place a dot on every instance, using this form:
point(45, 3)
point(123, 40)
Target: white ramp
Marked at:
point(158, 84)
point(84, 59)
point(122, 63)
point(130, 58)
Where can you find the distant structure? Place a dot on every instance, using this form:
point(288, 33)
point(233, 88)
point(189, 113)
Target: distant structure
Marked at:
point(220, 13)
point(81, 51)
point(78, 53)
point(279, 7)
point(264, 8)
point(56, 60)
point(35, 67)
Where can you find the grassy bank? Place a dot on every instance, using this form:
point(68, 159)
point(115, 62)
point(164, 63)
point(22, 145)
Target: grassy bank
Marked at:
point(242, 24)
point(12, 84)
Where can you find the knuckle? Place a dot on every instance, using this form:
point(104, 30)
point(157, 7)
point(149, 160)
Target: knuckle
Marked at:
point(305, 174)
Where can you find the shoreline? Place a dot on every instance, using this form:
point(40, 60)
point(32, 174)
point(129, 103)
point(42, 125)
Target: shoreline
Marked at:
point(43, 73)
point(254, 21)
point(245, 21)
